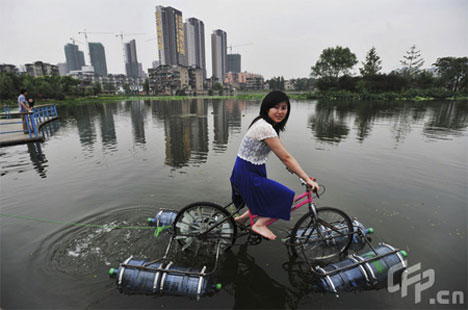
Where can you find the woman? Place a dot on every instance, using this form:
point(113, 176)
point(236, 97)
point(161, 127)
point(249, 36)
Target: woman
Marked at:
point(264, 197)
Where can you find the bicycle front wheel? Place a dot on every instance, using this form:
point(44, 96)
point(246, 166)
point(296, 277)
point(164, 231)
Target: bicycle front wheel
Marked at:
point(323, 237)
point(201, 226)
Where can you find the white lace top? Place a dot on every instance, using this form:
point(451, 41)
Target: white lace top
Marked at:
point(252, 148)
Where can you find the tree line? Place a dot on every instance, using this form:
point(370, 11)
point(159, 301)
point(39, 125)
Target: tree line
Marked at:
point(332, 73)
point(47, 87)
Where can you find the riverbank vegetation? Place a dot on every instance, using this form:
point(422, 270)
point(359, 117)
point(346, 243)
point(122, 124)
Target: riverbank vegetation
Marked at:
point(331, 78)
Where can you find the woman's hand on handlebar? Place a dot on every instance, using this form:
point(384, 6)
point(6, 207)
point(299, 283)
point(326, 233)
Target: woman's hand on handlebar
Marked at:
point(313, 186)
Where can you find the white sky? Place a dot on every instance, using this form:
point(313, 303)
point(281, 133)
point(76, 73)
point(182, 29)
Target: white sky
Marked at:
point(286, 36)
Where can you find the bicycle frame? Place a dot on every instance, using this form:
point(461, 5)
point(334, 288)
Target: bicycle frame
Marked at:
point(306, 198)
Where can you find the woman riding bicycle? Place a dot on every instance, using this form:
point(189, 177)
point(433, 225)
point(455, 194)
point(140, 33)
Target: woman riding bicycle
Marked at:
point(264, 197)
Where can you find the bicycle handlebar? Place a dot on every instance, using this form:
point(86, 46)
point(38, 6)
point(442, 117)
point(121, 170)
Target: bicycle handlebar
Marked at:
point(303, 182)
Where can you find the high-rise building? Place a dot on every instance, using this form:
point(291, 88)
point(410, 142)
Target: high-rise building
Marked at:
point(218, 54)
point(131, 63)
point(74, 57)
point(233, 63)
point(98, 58)
point(170, 32)
point(194, 39)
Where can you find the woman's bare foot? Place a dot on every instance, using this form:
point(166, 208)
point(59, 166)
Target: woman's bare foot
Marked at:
point(242, 221)
point(264, 231)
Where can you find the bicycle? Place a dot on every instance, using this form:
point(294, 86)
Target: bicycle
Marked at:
point(320, 234)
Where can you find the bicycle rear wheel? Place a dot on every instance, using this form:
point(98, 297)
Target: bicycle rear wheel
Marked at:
point(200, 226)
point(323, 237)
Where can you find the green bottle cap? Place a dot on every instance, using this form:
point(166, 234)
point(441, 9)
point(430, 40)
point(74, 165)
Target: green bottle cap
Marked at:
point(111, 271)
point(219, 286)
point(283, 240)
point(371, 230)
point(149, 220)
point(404, 253)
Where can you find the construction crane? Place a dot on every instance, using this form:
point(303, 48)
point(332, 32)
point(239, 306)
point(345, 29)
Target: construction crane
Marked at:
point(237, 45)
point(86, 39)
point(121, 35)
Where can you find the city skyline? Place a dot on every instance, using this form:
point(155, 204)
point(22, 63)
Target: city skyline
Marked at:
point(280, 43)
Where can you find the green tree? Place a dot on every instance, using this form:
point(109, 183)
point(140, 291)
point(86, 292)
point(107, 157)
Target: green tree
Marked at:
point(69, 85)
point(412, 61)
point(146, 87)
point(88, 91)
point(218, 87)
point(453, 72)
point(10, 85)
point(372, 65)
point(276, 83)
point(333, 63)
point(126, 88)
point(97, 87)
point(109, 87)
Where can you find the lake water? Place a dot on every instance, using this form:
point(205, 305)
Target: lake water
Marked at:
point(400, 168)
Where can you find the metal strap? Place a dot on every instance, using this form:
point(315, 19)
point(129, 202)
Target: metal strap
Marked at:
point(200, 281)
point(328, 279)
point(402, 260)
point(368, 268)
point(159, 218)
point(156, 278)
point(356, 259)
point(123, 269)
point(164, 276)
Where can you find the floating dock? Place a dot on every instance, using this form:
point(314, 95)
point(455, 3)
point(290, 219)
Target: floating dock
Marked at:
point(11, 125)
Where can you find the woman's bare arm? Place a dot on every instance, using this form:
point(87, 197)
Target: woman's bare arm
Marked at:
point(288, 160)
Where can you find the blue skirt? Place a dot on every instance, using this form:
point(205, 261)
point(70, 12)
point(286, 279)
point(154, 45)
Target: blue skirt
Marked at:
point(263, 197)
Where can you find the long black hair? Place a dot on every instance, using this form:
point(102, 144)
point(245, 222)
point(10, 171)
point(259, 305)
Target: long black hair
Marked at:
point(269, 101)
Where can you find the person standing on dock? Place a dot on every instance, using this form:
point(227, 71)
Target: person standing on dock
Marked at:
point(23, 107)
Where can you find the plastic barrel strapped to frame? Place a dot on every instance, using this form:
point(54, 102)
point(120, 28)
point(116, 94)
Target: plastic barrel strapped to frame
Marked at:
point(164, 217)
point(332, 236)
point(160, 278)
point(365, 273)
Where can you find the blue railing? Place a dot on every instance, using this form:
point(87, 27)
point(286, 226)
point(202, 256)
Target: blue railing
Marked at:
point(34, 119)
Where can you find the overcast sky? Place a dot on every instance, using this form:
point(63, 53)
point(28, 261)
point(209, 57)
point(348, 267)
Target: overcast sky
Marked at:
point(274, 37)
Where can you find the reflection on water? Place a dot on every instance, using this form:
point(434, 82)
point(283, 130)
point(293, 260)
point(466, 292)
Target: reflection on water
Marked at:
point(242, 275)
point(448, 119)
point(185, 130)
point(84, 115)
point(138, 116)
point(332, 121)
point(38, 158)
point(107, 126)
point(186, 124)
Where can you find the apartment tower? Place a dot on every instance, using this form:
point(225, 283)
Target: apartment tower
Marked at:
point(233, 63)
point(98, 58)
point(218, 54)
point(74, 57)
point(170, 32)
point(194, 36)
point(131, 63)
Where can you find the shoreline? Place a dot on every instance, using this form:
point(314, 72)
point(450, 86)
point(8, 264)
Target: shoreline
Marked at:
point(332, 96)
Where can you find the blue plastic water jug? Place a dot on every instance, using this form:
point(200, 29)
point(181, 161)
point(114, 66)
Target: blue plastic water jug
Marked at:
point(161, 278)
point(333, 238)
point(362, 272)
point(359, 241)
point(163, 218)
point(378, 269)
